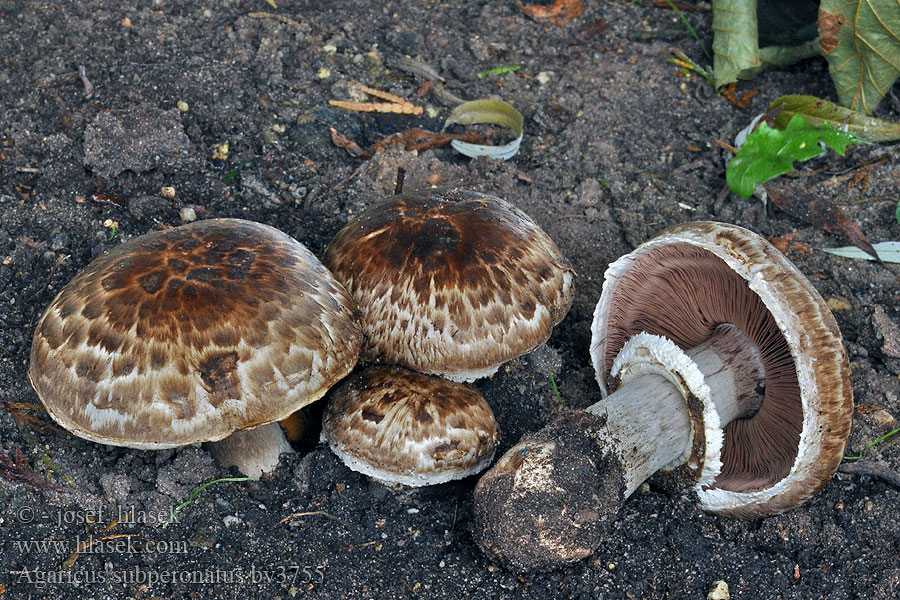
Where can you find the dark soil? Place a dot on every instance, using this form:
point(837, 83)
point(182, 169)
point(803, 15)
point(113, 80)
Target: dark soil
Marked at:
point(617, 146)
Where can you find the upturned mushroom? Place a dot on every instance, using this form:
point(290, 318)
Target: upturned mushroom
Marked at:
point(451, 283)
point(729, 380)
point(405, 428)
point(209, 331)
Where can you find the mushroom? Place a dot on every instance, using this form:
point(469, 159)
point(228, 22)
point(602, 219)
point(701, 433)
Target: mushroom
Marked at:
point(209, 331)
point(730, 380)
point(451, 283)
point(402, 427)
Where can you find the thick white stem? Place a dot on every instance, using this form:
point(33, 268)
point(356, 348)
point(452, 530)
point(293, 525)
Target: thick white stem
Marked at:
point(253, 451)
point(649, 425)
point(733, 369)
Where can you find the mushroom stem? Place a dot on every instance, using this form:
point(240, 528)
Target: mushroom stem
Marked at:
point(549, 499)
point(648, 427)
point(253, 451)
point(648, 421)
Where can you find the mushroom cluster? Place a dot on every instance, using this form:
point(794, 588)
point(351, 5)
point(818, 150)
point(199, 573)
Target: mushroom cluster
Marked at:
point(723, 372)
point(210, 331)
point(451, 284)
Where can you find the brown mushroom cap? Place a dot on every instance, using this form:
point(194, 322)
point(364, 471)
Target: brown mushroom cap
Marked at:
point(399, 426)
point(188, 334)
point(452, 283)
point(695, 277)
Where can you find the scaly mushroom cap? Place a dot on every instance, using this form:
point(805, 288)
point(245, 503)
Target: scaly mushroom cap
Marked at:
point(399, 426)
point(188, 334)
point(697, 276)
point(452, 283)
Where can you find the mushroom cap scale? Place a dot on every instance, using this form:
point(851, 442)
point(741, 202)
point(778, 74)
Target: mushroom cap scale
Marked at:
point(403, 427)
point(452, 283)
point(189, 334)
point(782, 455)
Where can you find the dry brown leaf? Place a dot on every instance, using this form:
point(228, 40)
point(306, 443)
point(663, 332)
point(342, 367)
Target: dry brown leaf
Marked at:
point(18, 469)
point(411, 139)
point(790, 198)
point(742, 102)
point(561, 12)
point(342, 141)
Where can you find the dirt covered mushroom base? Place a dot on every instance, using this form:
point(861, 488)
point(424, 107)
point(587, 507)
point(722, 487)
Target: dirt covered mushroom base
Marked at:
point(728, 377)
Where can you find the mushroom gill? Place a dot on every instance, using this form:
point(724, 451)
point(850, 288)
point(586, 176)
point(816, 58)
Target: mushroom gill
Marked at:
point(684, 293)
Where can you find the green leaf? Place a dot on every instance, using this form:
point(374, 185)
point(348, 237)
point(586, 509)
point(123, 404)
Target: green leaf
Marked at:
point(818, 111)
point(498, 71)
point(861, 41)
point(769, 152)
point(887, 252)
point(897, 212)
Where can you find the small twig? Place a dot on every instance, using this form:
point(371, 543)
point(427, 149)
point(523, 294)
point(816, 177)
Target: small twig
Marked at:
point(725, 145)
point(312, 513)
point(87, 543)
point(394, 104)
point(876, 470)
point(417, 67)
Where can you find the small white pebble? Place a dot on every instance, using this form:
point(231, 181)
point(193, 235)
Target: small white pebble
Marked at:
point(432, 112)
point(230, 520)
point(329, 48)
point(187, 214)
point(543, 77)
point(323, 73)
point(719, 591)
point(182, 106)
point(167, 191)
point(412, 511)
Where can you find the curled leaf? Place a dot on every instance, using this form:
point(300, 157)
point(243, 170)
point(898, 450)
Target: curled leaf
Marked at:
point(490, 110)
point(818, 111)
point(561, 12)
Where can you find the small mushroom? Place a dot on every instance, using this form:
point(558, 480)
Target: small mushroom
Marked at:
point(402, 427)
point(209, 331)
point(730, 380)
point(451, 283)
